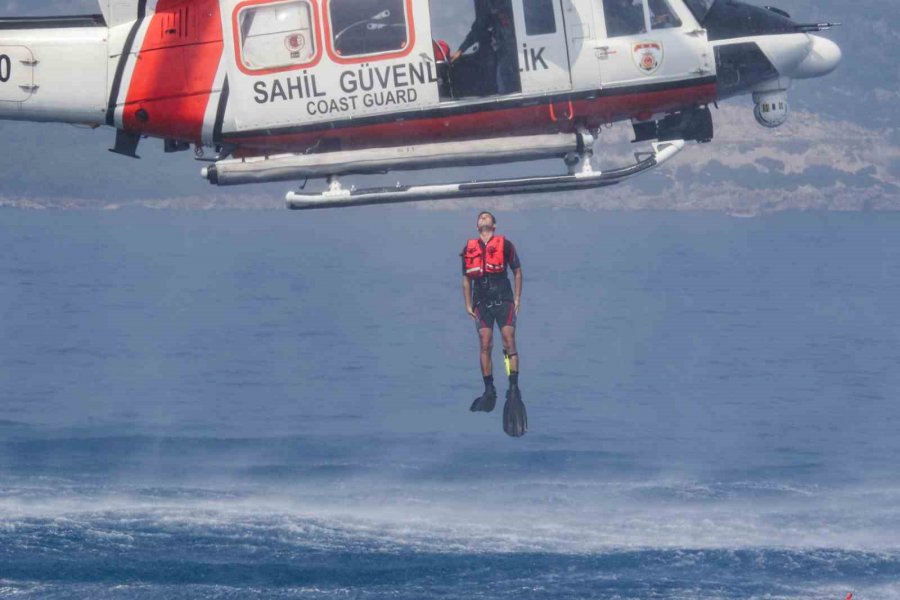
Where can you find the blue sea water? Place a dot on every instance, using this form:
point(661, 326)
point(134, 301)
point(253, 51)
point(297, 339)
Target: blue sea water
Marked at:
point(275, 405)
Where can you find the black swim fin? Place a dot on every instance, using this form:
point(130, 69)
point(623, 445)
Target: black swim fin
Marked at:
point(515, 417)
point(485, 402)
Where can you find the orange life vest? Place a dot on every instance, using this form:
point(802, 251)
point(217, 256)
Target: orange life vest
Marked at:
point(484, 261)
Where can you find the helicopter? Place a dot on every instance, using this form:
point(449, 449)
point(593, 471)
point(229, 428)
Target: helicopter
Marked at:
point(291, 90)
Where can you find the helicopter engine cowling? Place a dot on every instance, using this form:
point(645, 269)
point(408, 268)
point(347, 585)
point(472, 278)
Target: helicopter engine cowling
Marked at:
point(771, 108)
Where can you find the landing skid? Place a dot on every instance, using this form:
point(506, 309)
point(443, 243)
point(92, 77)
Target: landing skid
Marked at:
point(337, 196)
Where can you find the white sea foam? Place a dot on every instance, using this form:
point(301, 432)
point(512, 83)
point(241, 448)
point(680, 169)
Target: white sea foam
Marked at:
point(542, 518)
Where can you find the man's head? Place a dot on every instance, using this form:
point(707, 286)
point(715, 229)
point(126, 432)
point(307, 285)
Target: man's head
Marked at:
point(486, 222)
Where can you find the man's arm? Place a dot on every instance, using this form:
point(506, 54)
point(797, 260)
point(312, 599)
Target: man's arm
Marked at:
point(518, 293)
point(477, 32)
point(467, 295)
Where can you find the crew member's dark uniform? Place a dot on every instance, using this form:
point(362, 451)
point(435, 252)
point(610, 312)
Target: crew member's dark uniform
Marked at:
point(494, 29)
point(492, 294)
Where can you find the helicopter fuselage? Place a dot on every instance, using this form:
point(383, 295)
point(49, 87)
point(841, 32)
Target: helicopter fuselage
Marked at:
point(261, 77)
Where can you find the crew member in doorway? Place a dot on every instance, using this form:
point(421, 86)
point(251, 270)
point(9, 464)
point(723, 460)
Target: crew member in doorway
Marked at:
point(495, 28)
point(661, 16)
point(490, 299)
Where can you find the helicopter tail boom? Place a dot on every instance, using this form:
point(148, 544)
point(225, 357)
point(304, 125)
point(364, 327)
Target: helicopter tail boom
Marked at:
point(54, 69)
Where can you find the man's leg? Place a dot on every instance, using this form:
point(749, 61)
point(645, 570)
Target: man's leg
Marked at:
point(507, 72)
point(515, 416)
point(487, 345)
point(502, 78)
point(487, 401)
point(484, 324)
point(509, 345)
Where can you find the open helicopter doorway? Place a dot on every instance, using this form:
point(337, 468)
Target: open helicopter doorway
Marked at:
point(489, 48)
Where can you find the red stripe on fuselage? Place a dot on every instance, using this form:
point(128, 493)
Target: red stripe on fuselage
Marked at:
point(520, 120)
point(176, 70)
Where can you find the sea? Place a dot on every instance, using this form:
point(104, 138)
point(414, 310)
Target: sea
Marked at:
point(266, 404)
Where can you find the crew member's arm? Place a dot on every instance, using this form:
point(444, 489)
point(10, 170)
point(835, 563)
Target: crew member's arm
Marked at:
point(518, 292)
point(475, 33)
point(467, 295)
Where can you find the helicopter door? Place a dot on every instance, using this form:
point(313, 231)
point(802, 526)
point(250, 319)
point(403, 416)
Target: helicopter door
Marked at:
point(647, 40)
point(543, 55)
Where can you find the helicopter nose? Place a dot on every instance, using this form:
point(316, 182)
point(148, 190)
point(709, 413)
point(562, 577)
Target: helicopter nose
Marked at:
point(823, 58)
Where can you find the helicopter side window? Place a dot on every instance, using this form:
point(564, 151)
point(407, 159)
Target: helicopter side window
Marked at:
point(624, 17)
point(539, 17)
point(363, 28)
point(662, 16)
point(277, 36)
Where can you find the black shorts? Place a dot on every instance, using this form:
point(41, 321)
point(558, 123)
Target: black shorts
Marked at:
point(503, 314)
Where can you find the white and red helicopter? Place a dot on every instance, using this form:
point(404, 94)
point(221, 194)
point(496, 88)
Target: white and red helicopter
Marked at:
point(287, 90)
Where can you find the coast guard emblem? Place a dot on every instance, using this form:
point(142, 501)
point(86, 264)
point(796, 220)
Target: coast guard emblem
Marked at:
point(648, 56)
point(295, 42)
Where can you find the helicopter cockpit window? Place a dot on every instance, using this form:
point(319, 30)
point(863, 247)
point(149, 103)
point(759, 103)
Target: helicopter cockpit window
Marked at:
point(624, 17)
point(368, 27)
point(699, 8)
point(539, 17)
point(661, 15)
point(277, 35)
